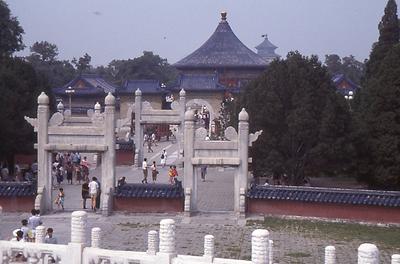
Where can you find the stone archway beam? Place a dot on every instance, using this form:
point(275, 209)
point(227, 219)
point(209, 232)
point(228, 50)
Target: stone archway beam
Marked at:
point(76, 147)
point(216, 161)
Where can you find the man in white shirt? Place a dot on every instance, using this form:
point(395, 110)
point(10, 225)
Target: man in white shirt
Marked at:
point(93, 189)
point(144, 168)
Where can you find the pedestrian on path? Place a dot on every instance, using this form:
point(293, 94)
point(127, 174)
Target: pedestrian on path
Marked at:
point(171, 174)
point(98, 193)
point(149, 149)
point(144, 168)
point(60, 198)
point(163, 158)
point(85, 192)
point(154, 172)
point(93, 189)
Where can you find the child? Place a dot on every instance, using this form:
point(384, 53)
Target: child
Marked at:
point(25, 229)
point(171, 174)
point(60, 198)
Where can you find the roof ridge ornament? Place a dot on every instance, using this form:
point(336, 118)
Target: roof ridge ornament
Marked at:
point(223, 15)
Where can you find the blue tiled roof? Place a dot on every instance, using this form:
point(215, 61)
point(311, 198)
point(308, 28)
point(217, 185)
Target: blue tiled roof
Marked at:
point(125, 145)
point(326, 195)
point(17, 189)
point(94, 85)
point(198, 83)
point(130, 190)
point(222, 49)
point(146, 86)
point(338, 78)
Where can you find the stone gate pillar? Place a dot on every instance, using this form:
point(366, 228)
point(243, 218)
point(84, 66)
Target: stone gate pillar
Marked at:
point(188, 172)
point(182, 109)
point(44, 158)
point(108, 162)
point(243, 149)
point(138, 129)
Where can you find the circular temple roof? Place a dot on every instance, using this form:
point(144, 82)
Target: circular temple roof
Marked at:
point(222, 49)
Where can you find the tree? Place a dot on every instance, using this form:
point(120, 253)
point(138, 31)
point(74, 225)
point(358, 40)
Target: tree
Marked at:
point(227, 114)
point(83, 63)
point(10, 32)
point(349, 66)
point(46, 51)
point(147, 66)
point(305, 122)
point(43, 58)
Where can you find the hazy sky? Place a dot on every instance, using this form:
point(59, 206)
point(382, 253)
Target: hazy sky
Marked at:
point(122, 29)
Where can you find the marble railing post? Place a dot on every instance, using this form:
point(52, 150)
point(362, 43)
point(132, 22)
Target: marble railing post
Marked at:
point(330, 255)
point(152, 242)
point(182, 109)
point(243, 149)
point(189, 179)
point(44, 159)
point(259, 246)
point(271, 251)
point(209, 247)
point(108, 163)
point(368, 254)
point(78, 237)
point(396, 259)
point(167, 241)
point(96, 237)
point(138, 129)
point(40, 234)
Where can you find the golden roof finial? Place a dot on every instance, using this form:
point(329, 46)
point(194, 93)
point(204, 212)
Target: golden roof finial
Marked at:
point(223, 15)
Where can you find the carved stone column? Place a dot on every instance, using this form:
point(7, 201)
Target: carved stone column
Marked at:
point(368, 254)
point(396, 259)
point(209, 247)
point(96, 237)
point(259, 246)
point(138, 129)
point(44, 162)
point(152, 242)
point(108, 163)
point(243, 149)
point(189, 180)
point(167, 236)
point(330, 255)
point(182, 106)
point(78, 227)
point(40, 234)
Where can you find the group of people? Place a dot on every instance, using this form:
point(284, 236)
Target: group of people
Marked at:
point(27, 233)
point(71, 166)
point(150, 140)
point(21, 173)
point(172, 172)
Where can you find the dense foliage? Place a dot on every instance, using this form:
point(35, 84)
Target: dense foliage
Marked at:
point(305, 122)
point(349, 66)
point(10, 32)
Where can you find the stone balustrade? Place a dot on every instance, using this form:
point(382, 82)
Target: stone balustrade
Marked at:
point(161, 248)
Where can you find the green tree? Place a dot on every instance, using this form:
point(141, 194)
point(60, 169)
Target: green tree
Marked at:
point(147, 66)
point(228, 114)
point(10, 32)
point(83, 63)
point(305, 122)
point(349, 66)
point(43, 58)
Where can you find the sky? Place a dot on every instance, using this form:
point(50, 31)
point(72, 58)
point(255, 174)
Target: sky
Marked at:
point(122, 29)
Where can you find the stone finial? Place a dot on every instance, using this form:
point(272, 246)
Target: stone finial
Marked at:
point(138, 92)
point(152, 242)
point(189, 115)
point(78, 227)
point(259, 246)
point(97, 106)
point(396, 259)
point(110, 99)
point(96, 237)
point(243, 115)
point(43, 99)
point(209, 246)
point(40, 234)
point(223, 15)
point(330, 255)
point(368, 254)
point(60, 107)
point(182, 93)
point(167, 236)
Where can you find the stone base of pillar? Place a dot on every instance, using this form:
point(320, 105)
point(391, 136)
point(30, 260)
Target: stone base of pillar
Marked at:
point(165, 257)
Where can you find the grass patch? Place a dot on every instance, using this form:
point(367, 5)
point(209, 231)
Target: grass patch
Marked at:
point(386, 237)
point(298, 255)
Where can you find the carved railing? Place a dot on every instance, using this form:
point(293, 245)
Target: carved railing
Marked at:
point(161, 249)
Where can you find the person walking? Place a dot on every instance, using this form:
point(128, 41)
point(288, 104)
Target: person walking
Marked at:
point(60, 198)
point(98, 193)
point(93, 189)
point(163, 158)
point(171, 174)
point(154, 172)
point(85, 192)
point(144, 168)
